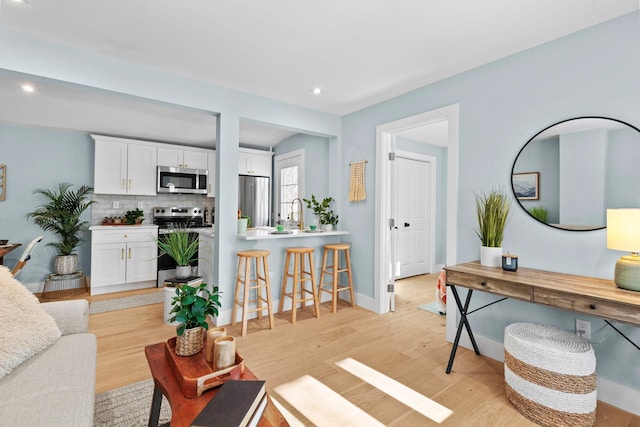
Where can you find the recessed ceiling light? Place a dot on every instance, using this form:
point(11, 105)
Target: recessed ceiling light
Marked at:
point(28, 88)
point(316, 90)
point(20, 1)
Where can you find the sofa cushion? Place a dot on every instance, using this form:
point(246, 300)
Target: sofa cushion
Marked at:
point(26, 328)
point(56, 387)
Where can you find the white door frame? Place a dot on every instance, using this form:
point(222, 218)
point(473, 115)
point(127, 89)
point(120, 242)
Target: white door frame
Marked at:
point(432, 205)
point(384, 136)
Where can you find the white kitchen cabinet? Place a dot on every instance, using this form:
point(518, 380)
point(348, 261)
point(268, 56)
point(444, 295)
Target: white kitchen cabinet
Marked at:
point(181, 157)
point(254, 162)
point(122, 166)
point(123, 258)
point(211, 166)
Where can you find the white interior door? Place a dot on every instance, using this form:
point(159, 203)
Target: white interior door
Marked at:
point(414, 210)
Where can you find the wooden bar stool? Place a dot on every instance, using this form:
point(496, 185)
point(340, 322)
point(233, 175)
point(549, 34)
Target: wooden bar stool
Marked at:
point(259, 283)
point(333, 287)
point(299, 293)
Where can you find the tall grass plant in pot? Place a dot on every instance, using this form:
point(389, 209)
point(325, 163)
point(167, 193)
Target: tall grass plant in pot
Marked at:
point(180, 245)
point(493, 212)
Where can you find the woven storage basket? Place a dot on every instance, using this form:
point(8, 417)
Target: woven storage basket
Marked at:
point(190, 342)
point(550, 375)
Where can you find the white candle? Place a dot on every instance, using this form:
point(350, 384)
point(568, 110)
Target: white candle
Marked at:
point(212, 334)
point(224, 352)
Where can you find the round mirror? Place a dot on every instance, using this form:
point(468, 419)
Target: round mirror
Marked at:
point(569, 174)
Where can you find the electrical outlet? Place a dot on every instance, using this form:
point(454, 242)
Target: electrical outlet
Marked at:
point(116, 205)
point(583, 328)
point(140, 205)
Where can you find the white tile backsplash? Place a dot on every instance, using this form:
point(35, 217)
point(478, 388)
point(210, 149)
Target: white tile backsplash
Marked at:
point(103, 206)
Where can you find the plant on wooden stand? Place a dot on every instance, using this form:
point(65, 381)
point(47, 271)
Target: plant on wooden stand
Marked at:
point(61, 215)
point(180, 245)
point(190, 307)
point(493, 211)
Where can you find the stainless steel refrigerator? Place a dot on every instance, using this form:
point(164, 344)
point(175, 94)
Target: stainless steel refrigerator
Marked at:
point(254, 199)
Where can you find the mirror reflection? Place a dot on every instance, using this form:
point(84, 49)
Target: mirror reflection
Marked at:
point(570, 173)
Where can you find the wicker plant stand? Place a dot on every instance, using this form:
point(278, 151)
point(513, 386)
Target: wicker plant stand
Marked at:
point(550, 375)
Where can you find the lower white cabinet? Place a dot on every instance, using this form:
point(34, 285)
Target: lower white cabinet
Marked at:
point(123, 258)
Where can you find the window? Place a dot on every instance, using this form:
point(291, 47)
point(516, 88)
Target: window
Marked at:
point(289, 185)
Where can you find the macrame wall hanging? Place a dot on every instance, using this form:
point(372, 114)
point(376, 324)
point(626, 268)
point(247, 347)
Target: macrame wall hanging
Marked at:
point(357, 190)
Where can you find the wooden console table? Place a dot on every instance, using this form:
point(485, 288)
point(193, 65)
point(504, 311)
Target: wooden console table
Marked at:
point(184, 410)
point(588, 295)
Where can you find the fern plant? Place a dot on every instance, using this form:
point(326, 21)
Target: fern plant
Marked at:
point(61, 215)
point(493, 211)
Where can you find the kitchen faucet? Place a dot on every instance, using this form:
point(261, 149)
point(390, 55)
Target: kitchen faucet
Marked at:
point(300, 214)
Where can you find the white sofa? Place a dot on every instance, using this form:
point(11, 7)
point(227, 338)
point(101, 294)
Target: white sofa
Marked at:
point(56, 387)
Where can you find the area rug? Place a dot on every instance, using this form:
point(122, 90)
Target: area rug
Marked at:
point(128, 406)
point(431, 307)
point(126, 302)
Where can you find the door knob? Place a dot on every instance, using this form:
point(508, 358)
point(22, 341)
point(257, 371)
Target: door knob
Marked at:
point(406, 224)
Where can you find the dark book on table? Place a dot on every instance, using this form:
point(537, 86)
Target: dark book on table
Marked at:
point(233, 405)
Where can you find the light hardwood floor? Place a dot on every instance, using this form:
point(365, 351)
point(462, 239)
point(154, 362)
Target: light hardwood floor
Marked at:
point(407, 345)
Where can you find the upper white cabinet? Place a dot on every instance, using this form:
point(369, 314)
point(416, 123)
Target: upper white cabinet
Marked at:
point(124, 166)
point(181, 157)
point(211, 166)
point(254, 162)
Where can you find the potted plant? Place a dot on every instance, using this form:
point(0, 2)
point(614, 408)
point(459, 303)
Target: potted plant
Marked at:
point(322, 210)
point(243, 223)
point(61, 215)
point(493, 211)
point(190, 307)
point(180, 245)
point(134, 217)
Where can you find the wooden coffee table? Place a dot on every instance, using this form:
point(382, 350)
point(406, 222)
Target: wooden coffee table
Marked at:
point(184, 410)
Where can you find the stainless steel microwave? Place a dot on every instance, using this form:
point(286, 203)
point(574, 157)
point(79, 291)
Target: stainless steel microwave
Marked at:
point(182, 181)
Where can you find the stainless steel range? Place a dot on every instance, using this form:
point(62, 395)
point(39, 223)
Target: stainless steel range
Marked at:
point(170, 217)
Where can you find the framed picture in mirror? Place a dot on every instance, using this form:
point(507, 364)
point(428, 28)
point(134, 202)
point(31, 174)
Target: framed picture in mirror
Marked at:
point(525, 185)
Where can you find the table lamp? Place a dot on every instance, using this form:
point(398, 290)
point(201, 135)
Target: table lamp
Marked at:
point(623, 234)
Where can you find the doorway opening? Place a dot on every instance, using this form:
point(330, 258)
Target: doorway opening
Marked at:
point(386, 233)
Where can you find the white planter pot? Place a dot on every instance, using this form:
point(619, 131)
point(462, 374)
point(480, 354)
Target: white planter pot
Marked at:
point(328, 227)
point(65, 264)
point(490, 257)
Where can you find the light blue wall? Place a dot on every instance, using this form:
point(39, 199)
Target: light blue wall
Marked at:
point(440, 153)
point(316, 165)
point(502, 104)
point(622, 169)
point(40, 158)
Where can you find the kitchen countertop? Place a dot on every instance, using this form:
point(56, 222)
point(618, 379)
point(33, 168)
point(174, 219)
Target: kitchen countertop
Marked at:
point(123, 226)
point(264, 233)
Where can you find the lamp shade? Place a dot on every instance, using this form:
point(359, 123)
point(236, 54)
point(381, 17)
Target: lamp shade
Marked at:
point(623, 229)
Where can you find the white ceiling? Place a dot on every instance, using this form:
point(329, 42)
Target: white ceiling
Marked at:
point(359, 51)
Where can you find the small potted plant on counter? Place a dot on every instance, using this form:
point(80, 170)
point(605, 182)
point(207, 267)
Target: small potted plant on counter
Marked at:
point(134, 217)
point(322, 211)
point(180, 245)
point(190, 307)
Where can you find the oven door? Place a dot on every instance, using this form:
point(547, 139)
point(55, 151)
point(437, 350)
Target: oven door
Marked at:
point(180, 180)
